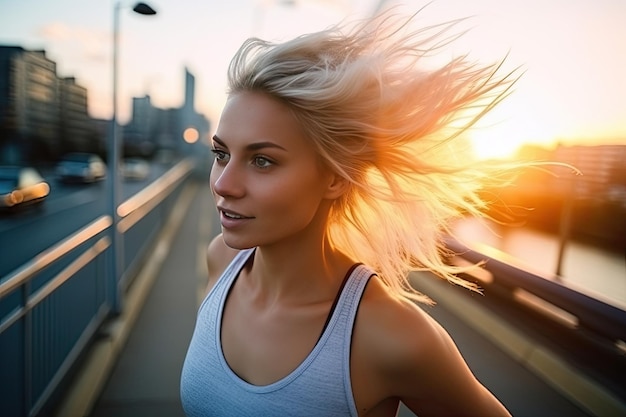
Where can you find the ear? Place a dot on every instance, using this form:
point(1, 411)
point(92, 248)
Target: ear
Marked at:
point(337, 185)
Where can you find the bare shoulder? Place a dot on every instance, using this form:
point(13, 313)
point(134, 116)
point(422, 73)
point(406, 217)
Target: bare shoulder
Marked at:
point(404, 353)
point(218, 257)
point(393, 329)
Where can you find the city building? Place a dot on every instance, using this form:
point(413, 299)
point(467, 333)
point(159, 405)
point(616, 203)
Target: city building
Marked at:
point(43, 116)
point(152, 128)
point(583, 195)
point(602, 171)
point(77, 131)
point(29, 104)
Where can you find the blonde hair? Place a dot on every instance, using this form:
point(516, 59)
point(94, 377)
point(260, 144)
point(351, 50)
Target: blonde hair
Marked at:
point(384, 121)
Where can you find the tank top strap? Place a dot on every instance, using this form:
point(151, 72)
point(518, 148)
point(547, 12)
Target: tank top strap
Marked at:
point(354, 288)
point(345, 312)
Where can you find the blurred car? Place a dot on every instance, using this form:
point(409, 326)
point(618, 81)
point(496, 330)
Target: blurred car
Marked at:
point(21, 186)
point(81, 167)
point(135, 169)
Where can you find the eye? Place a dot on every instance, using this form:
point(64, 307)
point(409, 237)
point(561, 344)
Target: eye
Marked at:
point(220, 155)
point(262, 162)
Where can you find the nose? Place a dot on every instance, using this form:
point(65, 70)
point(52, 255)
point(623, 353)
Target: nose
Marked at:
point(227, 181)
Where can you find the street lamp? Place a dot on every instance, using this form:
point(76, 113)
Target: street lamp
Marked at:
point(114, 151)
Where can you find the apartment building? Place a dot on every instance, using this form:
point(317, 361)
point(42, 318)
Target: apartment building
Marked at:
point(41, 115)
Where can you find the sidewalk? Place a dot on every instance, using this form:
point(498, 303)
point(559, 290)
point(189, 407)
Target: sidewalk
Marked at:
point(145, 380)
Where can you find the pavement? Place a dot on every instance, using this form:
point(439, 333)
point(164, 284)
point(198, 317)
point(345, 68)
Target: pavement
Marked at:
point(133, 370)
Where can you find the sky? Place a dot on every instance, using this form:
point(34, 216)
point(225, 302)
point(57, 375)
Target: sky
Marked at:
point(572, 54)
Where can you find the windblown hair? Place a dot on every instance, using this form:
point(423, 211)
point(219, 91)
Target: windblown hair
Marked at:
point(391, 124)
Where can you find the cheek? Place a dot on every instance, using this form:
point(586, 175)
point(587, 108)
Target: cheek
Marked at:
point(295, 195)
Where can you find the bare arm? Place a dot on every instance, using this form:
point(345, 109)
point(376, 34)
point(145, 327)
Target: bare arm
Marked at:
point(448, 385)
point(410, 357)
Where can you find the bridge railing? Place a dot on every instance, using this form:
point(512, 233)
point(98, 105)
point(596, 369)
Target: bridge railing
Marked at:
point(581, 312)
point(568, 338)
point(52, 306)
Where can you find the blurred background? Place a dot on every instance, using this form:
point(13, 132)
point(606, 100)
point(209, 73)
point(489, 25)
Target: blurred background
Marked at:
point(571, 52)
point(106, 107)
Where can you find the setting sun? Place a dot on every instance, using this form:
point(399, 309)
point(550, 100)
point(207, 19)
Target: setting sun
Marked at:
point(489, 145)
point(503, 131)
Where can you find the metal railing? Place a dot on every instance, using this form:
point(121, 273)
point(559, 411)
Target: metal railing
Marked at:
point(52, 307)
point(558, 302)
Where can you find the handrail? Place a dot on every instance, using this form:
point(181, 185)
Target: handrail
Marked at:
point(133, 209)
point(50, 343)
point(35, 298)
point(50, 255)
point(146, 197)
point(147, 194)
point(592, 314)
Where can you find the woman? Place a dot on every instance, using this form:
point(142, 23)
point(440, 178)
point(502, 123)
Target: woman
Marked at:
point(335, 174)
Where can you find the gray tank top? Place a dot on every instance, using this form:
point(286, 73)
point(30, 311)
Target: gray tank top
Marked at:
point(319, 386)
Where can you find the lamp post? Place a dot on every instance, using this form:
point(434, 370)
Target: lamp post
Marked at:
point(114, 151)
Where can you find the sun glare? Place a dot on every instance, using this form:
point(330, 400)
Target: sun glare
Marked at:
point(492, 145)
point(504, 142)
point(500, 135)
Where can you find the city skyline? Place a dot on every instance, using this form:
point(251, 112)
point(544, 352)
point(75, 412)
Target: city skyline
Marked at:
point(571, 90)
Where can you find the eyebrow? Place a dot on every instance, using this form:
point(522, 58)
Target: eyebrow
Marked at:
point(252, 146)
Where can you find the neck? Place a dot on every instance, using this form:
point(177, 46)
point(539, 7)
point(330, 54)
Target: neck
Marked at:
point(310, 269)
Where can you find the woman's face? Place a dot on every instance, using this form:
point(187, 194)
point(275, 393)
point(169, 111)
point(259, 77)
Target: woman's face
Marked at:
point(267, 180)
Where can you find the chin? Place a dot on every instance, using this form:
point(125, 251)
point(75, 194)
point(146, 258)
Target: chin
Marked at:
point(234, 242)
